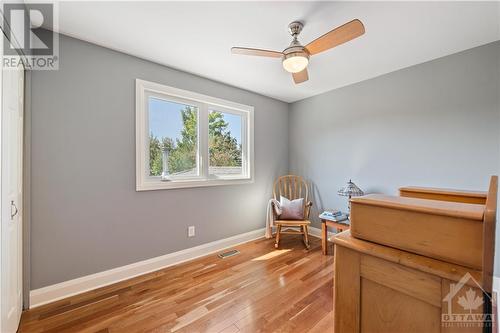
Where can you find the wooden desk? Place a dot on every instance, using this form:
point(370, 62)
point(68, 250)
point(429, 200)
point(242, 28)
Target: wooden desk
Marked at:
point(340, 226)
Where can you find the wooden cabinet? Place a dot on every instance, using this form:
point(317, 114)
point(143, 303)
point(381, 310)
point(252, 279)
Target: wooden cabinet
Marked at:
point(386, 289)
point(379, 289)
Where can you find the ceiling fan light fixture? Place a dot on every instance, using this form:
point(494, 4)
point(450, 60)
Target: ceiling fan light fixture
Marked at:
point(295, 62)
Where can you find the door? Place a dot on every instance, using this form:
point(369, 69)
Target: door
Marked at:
point(12, 88)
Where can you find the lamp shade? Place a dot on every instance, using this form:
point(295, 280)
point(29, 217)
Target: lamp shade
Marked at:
point(350, 190)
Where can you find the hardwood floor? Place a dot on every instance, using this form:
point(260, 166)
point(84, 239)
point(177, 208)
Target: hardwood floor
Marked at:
point(259, 290)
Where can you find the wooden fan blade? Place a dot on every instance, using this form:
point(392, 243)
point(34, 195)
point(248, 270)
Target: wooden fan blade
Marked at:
point(337, 36)
point(300, 76)
point(256, 52)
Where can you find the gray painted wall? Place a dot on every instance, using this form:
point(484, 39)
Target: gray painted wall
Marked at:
point(434, 124)
point(86, 215)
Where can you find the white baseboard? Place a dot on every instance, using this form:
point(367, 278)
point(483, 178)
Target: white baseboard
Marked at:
point(90, 282)
point(317, 232)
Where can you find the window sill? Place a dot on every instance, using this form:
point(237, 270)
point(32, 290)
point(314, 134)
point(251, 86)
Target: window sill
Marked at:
point(175, 184)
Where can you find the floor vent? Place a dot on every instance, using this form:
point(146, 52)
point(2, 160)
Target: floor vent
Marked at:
point(228, 254)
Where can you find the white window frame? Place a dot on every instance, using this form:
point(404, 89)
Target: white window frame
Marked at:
point(145, 182)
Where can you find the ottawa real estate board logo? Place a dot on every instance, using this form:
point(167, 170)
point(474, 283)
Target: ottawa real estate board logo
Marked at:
point(466, 305)
point(28, 36)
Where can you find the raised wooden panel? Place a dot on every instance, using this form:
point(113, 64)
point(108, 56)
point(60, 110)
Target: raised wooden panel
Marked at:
point(474, 197)
point(385, 310)
point(411, 282)
point(436, 229)
point(346, 290)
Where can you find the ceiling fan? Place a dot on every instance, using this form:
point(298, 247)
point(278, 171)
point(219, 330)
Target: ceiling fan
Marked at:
point(295, 57)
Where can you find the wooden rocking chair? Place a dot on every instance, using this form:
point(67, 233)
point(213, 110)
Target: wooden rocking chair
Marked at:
point(292, 187)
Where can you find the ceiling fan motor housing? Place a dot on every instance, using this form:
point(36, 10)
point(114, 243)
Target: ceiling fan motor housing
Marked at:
point(295, 51)
point(295, 28)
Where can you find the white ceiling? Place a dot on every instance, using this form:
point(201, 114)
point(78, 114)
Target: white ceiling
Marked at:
point(196, 37)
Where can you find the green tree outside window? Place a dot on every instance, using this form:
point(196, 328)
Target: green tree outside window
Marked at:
point(224, 150)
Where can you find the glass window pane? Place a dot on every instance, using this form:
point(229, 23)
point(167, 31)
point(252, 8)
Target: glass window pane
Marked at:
point(224, 143)
point(173, 136)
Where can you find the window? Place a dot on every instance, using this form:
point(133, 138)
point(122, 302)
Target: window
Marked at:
point(173, 137)
point(225, 150)
point(185, 139)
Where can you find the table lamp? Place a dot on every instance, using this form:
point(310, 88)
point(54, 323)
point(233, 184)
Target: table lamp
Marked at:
point(350, 190)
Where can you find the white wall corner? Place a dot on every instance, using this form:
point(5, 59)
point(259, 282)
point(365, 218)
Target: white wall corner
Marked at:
point(316, 232)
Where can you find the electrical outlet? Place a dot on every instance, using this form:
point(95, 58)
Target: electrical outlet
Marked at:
point(191, 231)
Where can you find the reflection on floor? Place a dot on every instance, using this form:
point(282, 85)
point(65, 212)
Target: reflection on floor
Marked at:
point(259, 290)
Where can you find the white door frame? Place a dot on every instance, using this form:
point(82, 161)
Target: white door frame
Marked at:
point(5, 209)
point(1, 123)
point(11, 197)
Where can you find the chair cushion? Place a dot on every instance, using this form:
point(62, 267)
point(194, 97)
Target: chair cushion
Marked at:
point(291, 209)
